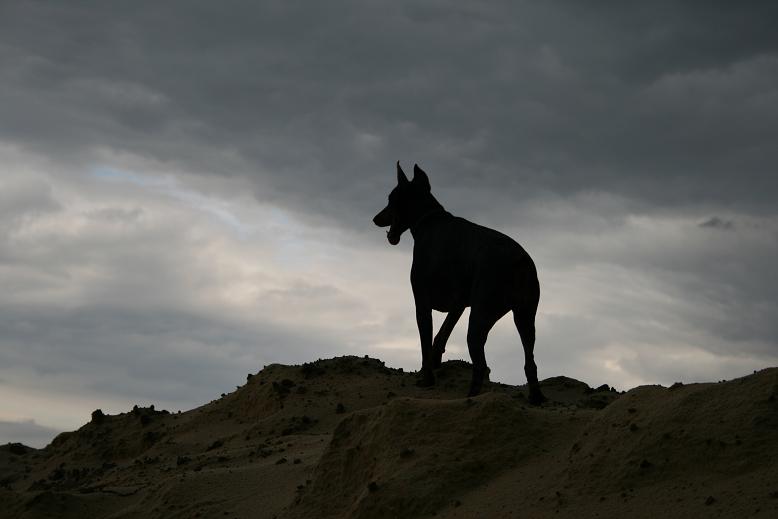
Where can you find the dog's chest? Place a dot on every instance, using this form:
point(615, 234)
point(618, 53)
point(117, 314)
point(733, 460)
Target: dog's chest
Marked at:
point(443, 270)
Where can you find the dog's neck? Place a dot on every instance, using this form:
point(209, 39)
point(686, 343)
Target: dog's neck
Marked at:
point(434, 210)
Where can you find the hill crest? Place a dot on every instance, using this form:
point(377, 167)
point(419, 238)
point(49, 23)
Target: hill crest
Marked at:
point(350, 437)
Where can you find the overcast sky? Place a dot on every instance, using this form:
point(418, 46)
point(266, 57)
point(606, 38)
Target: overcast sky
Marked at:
point(187, 188)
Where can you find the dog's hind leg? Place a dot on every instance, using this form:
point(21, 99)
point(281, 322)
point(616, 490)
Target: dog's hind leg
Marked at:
point(477, 331)
point(441, 338)
point(524, 318)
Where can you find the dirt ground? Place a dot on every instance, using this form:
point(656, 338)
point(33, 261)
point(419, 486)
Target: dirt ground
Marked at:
point(349, 437)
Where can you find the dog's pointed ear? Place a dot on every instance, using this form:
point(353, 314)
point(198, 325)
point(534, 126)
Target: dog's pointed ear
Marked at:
point(420, 177)
point(401, 178)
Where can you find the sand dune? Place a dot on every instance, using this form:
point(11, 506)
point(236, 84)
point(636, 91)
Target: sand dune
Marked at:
point(348, 437)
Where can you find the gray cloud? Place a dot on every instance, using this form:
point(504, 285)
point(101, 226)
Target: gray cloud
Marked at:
point(313, 104)
point(717, 223)
point(149, 355)
point(34, 435)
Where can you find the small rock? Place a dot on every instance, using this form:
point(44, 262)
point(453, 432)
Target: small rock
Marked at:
point(407, 452)
point(710, 500)
point(215, 445)
point(17, 448)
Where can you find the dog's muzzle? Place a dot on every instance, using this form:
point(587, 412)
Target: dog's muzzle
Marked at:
point(386, 219)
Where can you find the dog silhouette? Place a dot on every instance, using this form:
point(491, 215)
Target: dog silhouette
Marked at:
point(457, 264)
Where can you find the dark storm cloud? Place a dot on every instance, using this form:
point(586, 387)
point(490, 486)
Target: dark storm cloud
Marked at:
point(149, 355)
point(666, 102)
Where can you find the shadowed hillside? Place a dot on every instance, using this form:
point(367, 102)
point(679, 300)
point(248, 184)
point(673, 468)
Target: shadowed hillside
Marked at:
point(349, 437)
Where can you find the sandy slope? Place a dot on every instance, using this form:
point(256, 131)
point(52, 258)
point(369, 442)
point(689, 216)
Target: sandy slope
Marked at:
point(348, 437)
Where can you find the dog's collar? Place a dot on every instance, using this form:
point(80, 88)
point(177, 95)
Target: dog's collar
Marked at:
point(415, 225)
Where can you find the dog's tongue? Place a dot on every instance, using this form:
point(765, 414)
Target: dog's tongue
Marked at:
point(393, 237)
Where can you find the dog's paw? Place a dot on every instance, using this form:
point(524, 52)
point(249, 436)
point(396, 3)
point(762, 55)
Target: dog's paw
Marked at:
point(475, 388)
point(427, 379)
point(425, 382)
point(536, 397)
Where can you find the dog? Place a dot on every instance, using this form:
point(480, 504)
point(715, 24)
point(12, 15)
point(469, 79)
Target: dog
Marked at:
point(457, 264)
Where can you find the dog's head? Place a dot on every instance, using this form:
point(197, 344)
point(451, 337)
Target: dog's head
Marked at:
point(407, 202)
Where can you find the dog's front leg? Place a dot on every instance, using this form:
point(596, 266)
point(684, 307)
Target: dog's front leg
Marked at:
point(424, 322)
point(441, 338)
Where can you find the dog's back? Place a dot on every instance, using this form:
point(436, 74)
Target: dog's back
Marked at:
point(459, 260)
